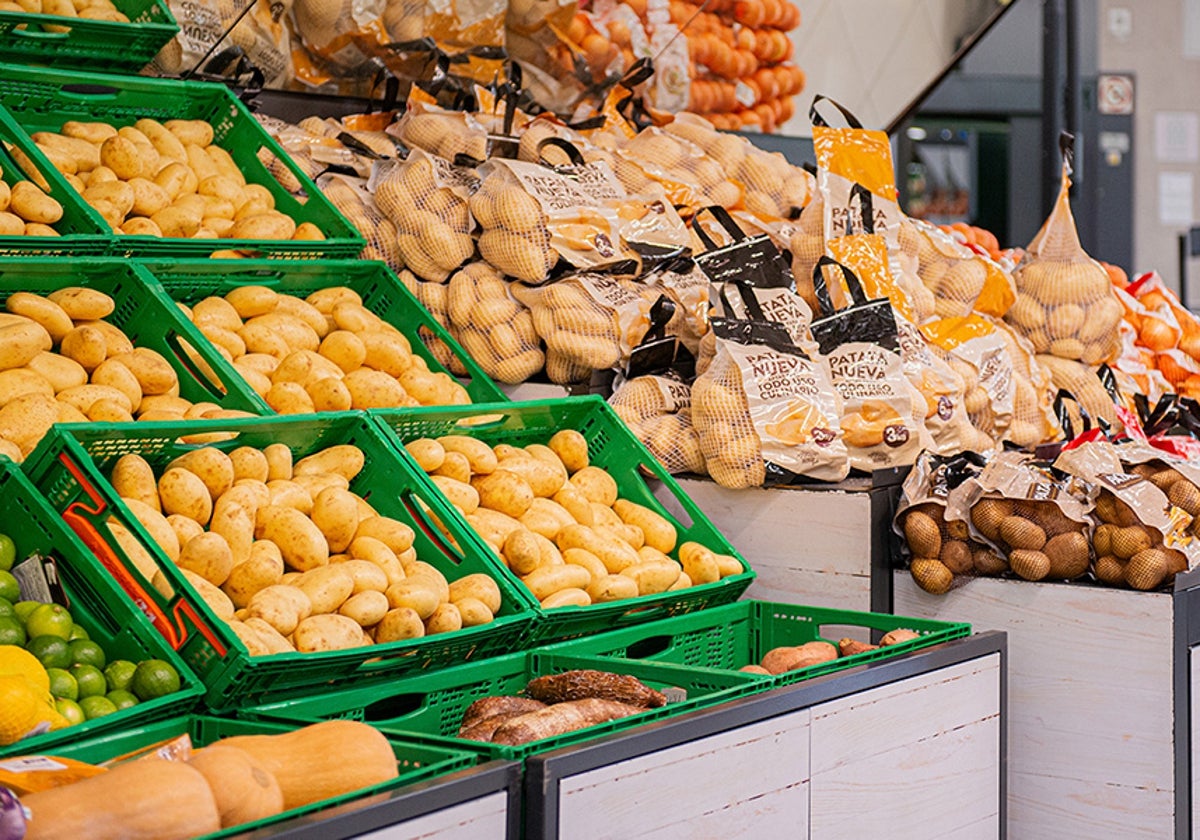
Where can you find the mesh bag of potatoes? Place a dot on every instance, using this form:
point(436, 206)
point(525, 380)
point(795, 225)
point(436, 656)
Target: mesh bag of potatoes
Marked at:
point(559, 523)
point(354, 201)
point(425, 197)
point(774, 188)
point(470, 30)
point(166, 180)
point(881, 275)
point(531, 215)
point(765, 411)
point(883, 415)
point(1065, 302)
point(1035, 522)
point(691, 178)
point(589, 321)
point(290, 558)
point(492, 325)
point(976, 351)
point(1082, 383)
point(62, 361)
point(938, 547)
point(1034, 420)
point(435, 297)
point(658, 410)
point(1143, 537)
point(262, 35)
point(344, 35)
point(962, 280)
point(326, 352)
point(446, 134)
point(687, 287)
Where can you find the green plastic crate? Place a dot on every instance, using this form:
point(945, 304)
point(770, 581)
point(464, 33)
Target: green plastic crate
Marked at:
point(432, 703)
point(143, 313)
point(381, 291)
point(42, 100)
point(417, 760)
point(79, 232)
point(94, 45)
point(71, 467)
point(614, 448)
point(96, 604)
point(730, 637)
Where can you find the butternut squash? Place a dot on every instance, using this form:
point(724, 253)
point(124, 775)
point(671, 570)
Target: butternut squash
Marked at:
point(151, 799)
point(323, 760)
point(244, 791)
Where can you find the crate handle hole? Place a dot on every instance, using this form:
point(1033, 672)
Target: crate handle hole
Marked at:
point(87, 91)
point(196, 365)
point(390, 708)
point(645, 648)
point(480, 421)
point(40, 35)
point(427, 521)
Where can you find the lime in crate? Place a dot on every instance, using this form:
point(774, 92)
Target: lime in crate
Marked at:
point(427, 604)
point(373, 284)
point(300, 761)
point(433, 703)
point(646, 556)
point(83, 673)
point(208, 136)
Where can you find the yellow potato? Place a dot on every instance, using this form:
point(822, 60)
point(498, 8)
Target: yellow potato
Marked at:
point(615, 554)
point(156, 526)
point(386, 351)
point(300, 542)
point(21, 343)
point(391, 532)
point(428, 453)
point(279, 461)
point(281, 605)
point(327, 632)
point(419, 594)
point(335, 513)
point(214, 598)
point(658, 532)
point(182, 492)
point(582, 557)
point(521, 551)
point(445, 619)
point(209, 556)
point(191, 132)
point(165, 143)
point(263, 568)
point(375, 551)
point(455, 465)
point(94, 133)
point(33, 205)
point(541, 476)
point(344, 459)
point(133, 478)
point(612, 588)
point(248, 462)
point(473, 612)
point(576, 504)
point(569, 597)
point(42, 310)
point(153, 372)
point(479, 586)
point(699, 563)
point(653, 576)
point(399, 624)
point(115, 375)
point(86, 346)
point(479, 455)
point(327, 587)
point(83, 304)
point(572, 449)
point(17, 382)
point(366, 575)
point(289, 398)
point(366, 608)
point(546, 580)
point(596, 485)
point(123, 157)
point(505, 492)
point(211, 466)
point(291, 494)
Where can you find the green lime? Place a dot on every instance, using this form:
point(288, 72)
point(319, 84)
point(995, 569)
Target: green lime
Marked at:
point(87, 652)
point(8, 552)
point(91, 680)
point(51, 651)
point(119, 674)
point(97, 706)
point(49, 620)
point(24, 609)
point(12, 631)
point(154, 678)
point(9, 588)
point(6, 608)
point(62, 684)
point(70, 710)
point(77, 632)
point(122, 699)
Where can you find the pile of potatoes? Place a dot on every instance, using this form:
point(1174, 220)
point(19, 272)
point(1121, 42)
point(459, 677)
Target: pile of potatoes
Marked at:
point(514, 236)
point(26, 210)
point(61, 362)
point(326, 352)
point(286, 554)
point(786, 658)
point(1038, 539)
point(558, 524)
point(942, 549)
point(492, 325)
point(83, 9)
point(165, 179)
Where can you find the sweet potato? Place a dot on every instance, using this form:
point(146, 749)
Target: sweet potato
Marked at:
point(561, 718)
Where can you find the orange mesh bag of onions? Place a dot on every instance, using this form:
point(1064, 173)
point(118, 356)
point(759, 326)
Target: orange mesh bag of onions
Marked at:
point(658, 410)
point(492, 325)
point(435, 298)
point(425, 197)
point(765, 411)
point(939, 548)
point(1065, 306)
point(1034, 522)
point(1142, 536)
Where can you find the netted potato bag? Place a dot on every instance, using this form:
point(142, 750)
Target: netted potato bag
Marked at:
point(435, 297)
point(1065, 303)
point(774, 188)
point(352, 198)
point(263, 36)
point(807, 245)
point(657, 409)
point(532, 214)
point(1143, 533)
point(961, 280)
point(1033, 519)
point(493, 326)
point(691, 178)
point(446, 134)
point(1083, 384)
point(1033, 419)
point(425, 197)
point(1177, 477)
point(687, 287)
point(764, 410)
point(979, 354)
point(589, 321)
